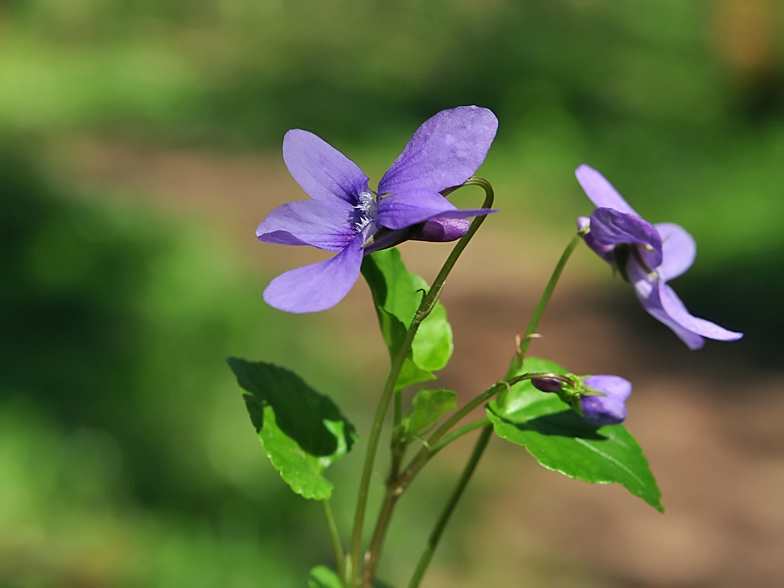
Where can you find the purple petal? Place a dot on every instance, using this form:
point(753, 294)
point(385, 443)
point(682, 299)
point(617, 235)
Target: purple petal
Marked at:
point(603, 251)
point(445, 151)
point(321, 223)
point(678, 251)
point(603, 410)
point(320, 169)
point(661, 302)
point(410, 208)
point(614, 386)
point(317, 286)
point(441, 230)
point(610, 227)
point(600, 191)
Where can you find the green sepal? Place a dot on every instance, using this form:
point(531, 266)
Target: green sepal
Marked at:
point(426, 408)
point(323, 577)
point(397, 295)
point(561, 440)
point(302, 432)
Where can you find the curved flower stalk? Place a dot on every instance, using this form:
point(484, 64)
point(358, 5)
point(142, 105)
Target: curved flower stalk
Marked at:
point(646, 255)
point(344, 216)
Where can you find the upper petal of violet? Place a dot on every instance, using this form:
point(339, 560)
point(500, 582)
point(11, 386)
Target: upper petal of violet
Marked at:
point(320, 169)
point(445, 151)
point(614, 386)
point(600, 191)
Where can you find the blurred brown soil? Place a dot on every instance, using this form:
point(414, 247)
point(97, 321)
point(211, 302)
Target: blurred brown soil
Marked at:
point(714, 440)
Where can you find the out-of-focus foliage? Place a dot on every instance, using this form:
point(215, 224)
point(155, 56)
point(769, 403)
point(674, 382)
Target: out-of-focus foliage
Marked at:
point(116, 405)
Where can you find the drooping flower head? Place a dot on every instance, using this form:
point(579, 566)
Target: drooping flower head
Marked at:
point(600, 399)
point(346, 217)
point(645, 255)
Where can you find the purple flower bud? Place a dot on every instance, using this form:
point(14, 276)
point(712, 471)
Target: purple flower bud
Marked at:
point(441, 230)
point(547, 384)
point(610, 408)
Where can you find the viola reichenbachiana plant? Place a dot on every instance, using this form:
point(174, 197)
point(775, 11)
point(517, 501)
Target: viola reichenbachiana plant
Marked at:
point(569, 423)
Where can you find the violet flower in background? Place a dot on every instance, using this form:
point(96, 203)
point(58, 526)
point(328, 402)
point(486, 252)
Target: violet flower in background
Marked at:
point(344, 216)
point(607, 409)
point(646, 255)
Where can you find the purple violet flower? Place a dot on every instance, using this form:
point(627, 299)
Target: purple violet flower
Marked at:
point(608, 409)
point(344, 216)
point(646, 255)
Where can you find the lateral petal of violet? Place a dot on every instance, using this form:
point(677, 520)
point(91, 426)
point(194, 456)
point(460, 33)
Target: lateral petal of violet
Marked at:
point(600, 191)
point(318, 286)
point(409, 208)
point(610, 227)
point(320, 223)
point(320, 169)
point(678, 250)
point(444, 152)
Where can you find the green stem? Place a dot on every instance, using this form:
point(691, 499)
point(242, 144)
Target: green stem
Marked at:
point(548, 292)
point(454, 435)
point(425, 307)
point(334, 537)
point(438, 530)
point(423, 456)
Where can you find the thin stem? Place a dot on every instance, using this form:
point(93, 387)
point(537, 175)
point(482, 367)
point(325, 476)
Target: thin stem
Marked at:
point(334, 537)
point(548, 292)
point(425, 307)
point(454, 435)
point(438, 530)
point(373, 553)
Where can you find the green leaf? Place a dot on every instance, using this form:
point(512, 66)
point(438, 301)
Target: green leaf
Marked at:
point(323, 577)
point(397, 295)
point(302, 432)
point(426, 408)
point(561, 440)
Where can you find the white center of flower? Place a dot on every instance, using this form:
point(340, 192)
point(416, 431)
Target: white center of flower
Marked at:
point(366, 211)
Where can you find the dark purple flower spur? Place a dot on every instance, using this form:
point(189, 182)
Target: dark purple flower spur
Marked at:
point(646, 255)
point(344, 216)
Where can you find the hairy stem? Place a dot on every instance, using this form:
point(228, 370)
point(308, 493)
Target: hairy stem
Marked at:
point(425, 307)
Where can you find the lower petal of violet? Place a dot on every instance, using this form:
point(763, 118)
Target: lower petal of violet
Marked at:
point(661, 302)
point(317, 286)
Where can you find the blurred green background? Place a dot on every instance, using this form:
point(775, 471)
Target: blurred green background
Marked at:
point(126, 458)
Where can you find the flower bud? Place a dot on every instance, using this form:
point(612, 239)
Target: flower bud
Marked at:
point(547, 384)
point(606, 408)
